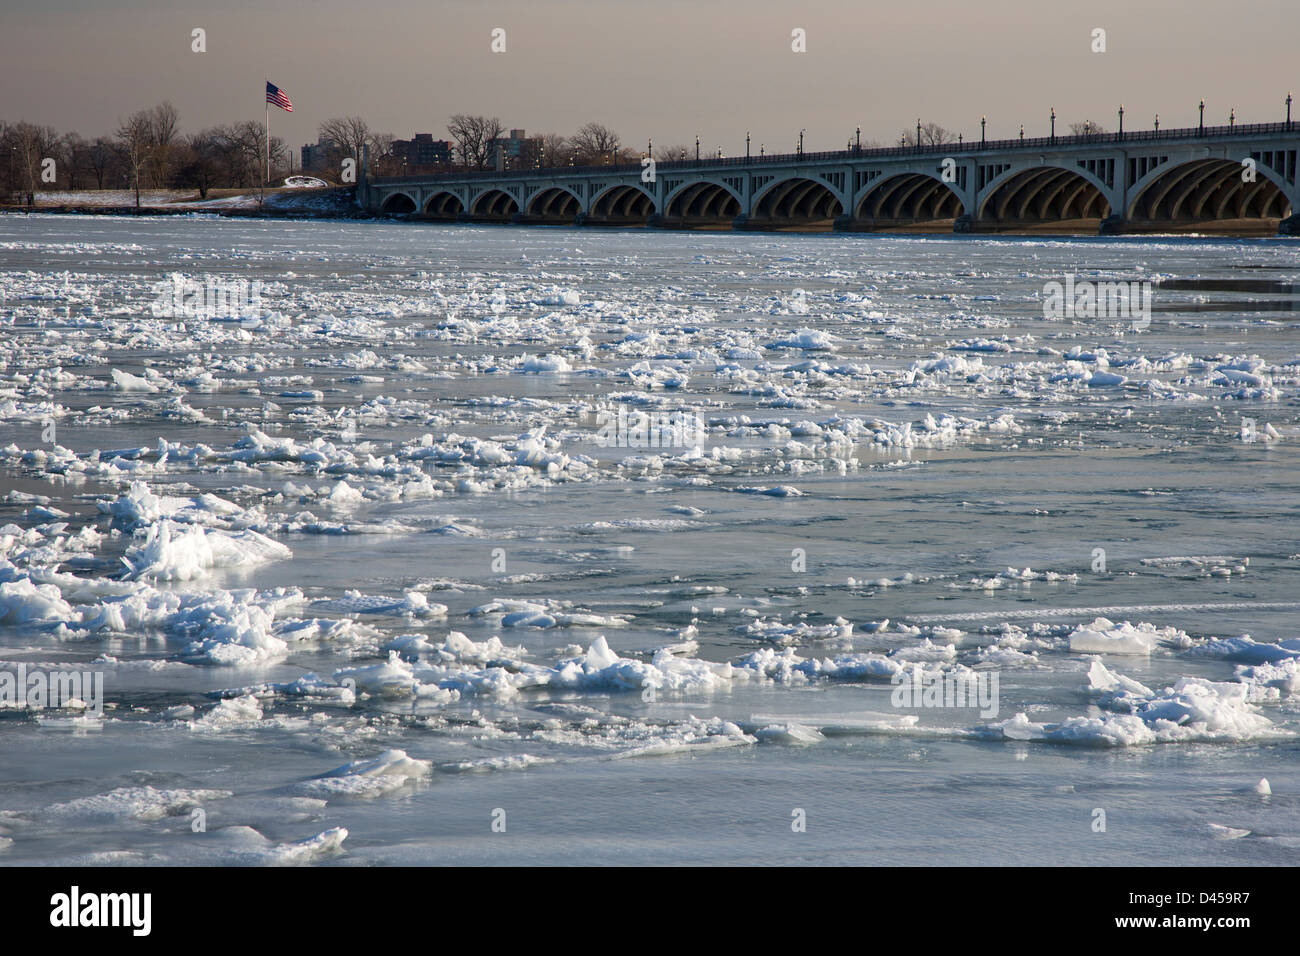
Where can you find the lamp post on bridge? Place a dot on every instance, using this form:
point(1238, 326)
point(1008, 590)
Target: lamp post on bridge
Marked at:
point(858, 141)
point(1288, 111)
point(697, 147)
point(1022, 132)
point(1232, 117)
point(747, 144)
point(1157, 124)
point(983, 120)
point(1120, 134)
point(801, 132)
point(1053, 125)
point(918, 134)
point(1200, 130)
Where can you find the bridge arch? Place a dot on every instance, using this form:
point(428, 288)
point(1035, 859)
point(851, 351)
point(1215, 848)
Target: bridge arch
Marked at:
point(494, 205)
point(1046, 194)
point(554, 204)
point(443, 205)
point(703, 202)
point(1208, 189)
point(398, 204)
point(622, 204)
point(908, 197)
point(797, 201)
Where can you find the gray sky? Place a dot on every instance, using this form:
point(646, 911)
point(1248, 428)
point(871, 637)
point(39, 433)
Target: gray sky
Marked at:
point(666, 69)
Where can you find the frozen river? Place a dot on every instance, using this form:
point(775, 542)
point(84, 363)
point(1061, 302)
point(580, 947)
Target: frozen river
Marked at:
point(373, 543)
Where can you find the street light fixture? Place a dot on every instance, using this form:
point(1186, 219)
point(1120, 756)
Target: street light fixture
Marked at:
point(1120, 135)
point(747, 144)
point(1053, 124)
point(1201, 127)
point(697, 147)
point(983, 121)
point(801, 132)
point(1288, 111)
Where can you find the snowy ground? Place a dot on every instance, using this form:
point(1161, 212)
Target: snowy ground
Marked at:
point(365, 585)
point(303, 193)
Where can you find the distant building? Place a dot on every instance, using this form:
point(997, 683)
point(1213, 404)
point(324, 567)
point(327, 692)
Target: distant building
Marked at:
point(421, 153)
point(512, 152)
point(321, 156)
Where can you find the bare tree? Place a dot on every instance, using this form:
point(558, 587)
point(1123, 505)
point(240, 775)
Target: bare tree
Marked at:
point(666, 154)
point(199, 163)
point(242, 149)
point(133, 138)
point(1086, 128)
point(475, 136)
point(102, 157)
point(31, 146)
point(382, 158)
point(76, 159)
point(932, 134)
point(594, 144)
point(350, 133)
point(163, 123)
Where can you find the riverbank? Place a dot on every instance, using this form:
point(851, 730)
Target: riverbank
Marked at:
point(289, 203)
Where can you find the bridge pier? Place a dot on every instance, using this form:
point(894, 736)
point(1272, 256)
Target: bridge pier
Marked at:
point(1113, 225)
point(1290, 226)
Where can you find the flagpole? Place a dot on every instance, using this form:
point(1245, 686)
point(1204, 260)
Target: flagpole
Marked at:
point(268, 131)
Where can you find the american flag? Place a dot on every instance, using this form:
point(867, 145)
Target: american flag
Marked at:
point(277, 97)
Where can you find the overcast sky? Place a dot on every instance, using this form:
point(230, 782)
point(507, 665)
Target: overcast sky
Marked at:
point(666, 69)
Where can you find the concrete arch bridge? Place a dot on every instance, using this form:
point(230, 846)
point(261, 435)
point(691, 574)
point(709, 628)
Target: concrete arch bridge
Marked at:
point(1238, 180)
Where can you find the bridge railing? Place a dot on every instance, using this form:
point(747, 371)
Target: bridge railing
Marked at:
point(879, 152)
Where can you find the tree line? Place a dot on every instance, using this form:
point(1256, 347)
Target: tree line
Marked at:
point(146, 151)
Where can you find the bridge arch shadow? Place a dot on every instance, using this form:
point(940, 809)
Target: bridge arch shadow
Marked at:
point(622, 205)
point(555, 205)
point(398, 204)
point(443, 205)
point(908, 201)
point(796, 203)
point(1209, 193)
point(495, 205)
point(1044, 199)
point(702, 205)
